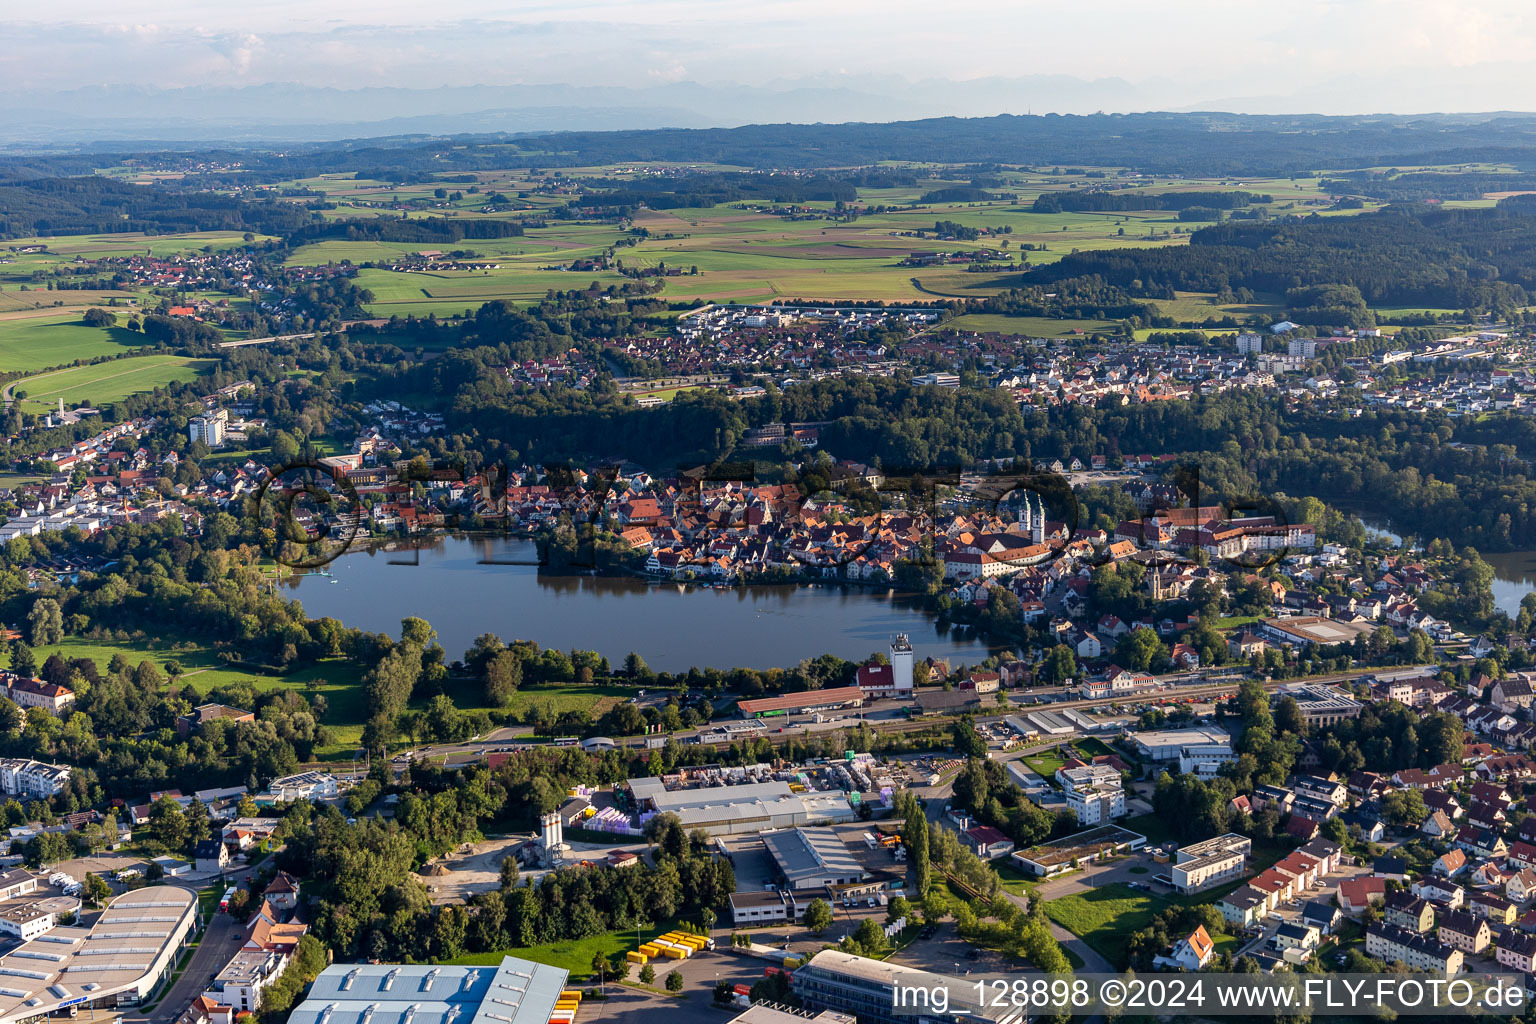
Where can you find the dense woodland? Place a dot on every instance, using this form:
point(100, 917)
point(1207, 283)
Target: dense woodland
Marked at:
point(96, 205)
point(1417, 255)
point(1163, 143)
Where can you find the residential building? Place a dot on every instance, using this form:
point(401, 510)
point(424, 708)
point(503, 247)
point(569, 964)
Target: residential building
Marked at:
point(1095, 793)
point(1464, 931)
point(29, 779)
point(1204, 864)
point(1418, 952)
point(1190, 953)
point(1407, 911)
point(303, 786)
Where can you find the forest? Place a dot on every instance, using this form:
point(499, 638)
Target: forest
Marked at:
point(1201, 144)
point(1481, 259)
point(1113, 201)
point(96, 205)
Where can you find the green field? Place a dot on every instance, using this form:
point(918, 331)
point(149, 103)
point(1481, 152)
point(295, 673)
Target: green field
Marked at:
point(337, 679)
point(1106, 917)
point(110, 381)
point(38, 342)
point(745, 253)
point(575, 955)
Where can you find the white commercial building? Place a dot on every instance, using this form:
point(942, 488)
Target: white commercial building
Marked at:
point(118, 961)
point(514, 992)
point(1166, 744)
point(749, 807)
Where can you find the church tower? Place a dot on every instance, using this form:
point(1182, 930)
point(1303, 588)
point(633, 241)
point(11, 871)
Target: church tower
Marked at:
point(1037, 533)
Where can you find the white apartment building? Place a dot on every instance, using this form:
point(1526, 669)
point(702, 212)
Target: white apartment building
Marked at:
point(1094, 793)
point(209, 427)
point(1207, 863)
point(26, 778)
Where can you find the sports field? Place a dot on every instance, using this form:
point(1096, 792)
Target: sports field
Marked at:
point(111, 381)
point(32, 342)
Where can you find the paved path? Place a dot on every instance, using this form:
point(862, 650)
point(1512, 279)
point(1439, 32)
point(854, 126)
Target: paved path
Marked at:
point(218, 945)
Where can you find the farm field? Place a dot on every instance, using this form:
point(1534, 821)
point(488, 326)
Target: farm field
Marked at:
point(128, 243)
point(111, 381)
point(743, 252)
point(38, 342)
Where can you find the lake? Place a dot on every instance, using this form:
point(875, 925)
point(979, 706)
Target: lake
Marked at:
point(672, 626)
point(1514, 572)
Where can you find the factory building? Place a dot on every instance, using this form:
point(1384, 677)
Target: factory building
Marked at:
point(812, 858)
point(515, 992)
point(750, 807)
point(117, 961)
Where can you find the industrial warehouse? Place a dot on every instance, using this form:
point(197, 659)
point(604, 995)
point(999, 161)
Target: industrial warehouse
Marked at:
point(813, 858)
point(800, 703)
point(116, 962)
point(515, 992)
point(746, 807)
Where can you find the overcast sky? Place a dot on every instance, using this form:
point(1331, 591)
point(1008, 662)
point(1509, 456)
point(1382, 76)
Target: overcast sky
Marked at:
point(1330, 56)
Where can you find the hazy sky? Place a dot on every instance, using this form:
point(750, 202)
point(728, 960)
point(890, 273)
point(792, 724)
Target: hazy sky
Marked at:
point(1345, 55)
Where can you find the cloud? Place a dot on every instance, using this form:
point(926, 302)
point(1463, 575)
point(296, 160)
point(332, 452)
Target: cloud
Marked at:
point(1180, 52)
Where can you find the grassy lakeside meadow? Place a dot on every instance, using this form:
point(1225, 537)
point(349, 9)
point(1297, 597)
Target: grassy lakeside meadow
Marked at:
point(337, 679)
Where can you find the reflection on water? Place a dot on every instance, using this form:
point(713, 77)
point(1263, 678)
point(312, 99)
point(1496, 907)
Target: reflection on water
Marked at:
point(459, 587)
point(1514, 576)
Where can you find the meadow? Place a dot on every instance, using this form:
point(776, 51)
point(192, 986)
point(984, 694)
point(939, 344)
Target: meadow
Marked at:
point(111, 381)
point(743, 253)
point(31, 342)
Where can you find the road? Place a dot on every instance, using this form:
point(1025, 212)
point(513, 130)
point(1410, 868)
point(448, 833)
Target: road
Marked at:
point(219, 943)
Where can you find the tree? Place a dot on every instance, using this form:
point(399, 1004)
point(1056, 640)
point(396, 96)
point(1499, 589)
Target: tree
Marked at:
point(503, 675)
point(97, 891)
point(46, 620)
point(168, 823)
point(1404, 807)
point(22, 661)
point(98, 317)
point(647, 974)
point(1335, 830)
point(674, 981)
point(818, 916)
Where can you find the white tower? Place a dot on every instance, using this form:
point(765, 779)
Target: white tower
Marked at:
point(1026, 516)
point(553, 838)
point(901, 663)
point(1037, 533)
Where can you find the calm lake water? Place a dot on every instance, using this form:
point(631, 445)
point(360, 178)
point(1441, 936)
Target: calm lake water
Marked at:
point(672, 626)
point(1514, 572)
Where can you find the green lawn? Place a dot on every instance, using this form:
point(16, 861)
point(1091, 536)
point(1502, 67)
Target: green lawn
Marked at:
point(110, 381)
point(575, 955)
point(336, 678)
point(1045, 763)
point(1153, 826)
point(1094, 747)
point(36, 343)
point(1233, 621)
point(1106, 917)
